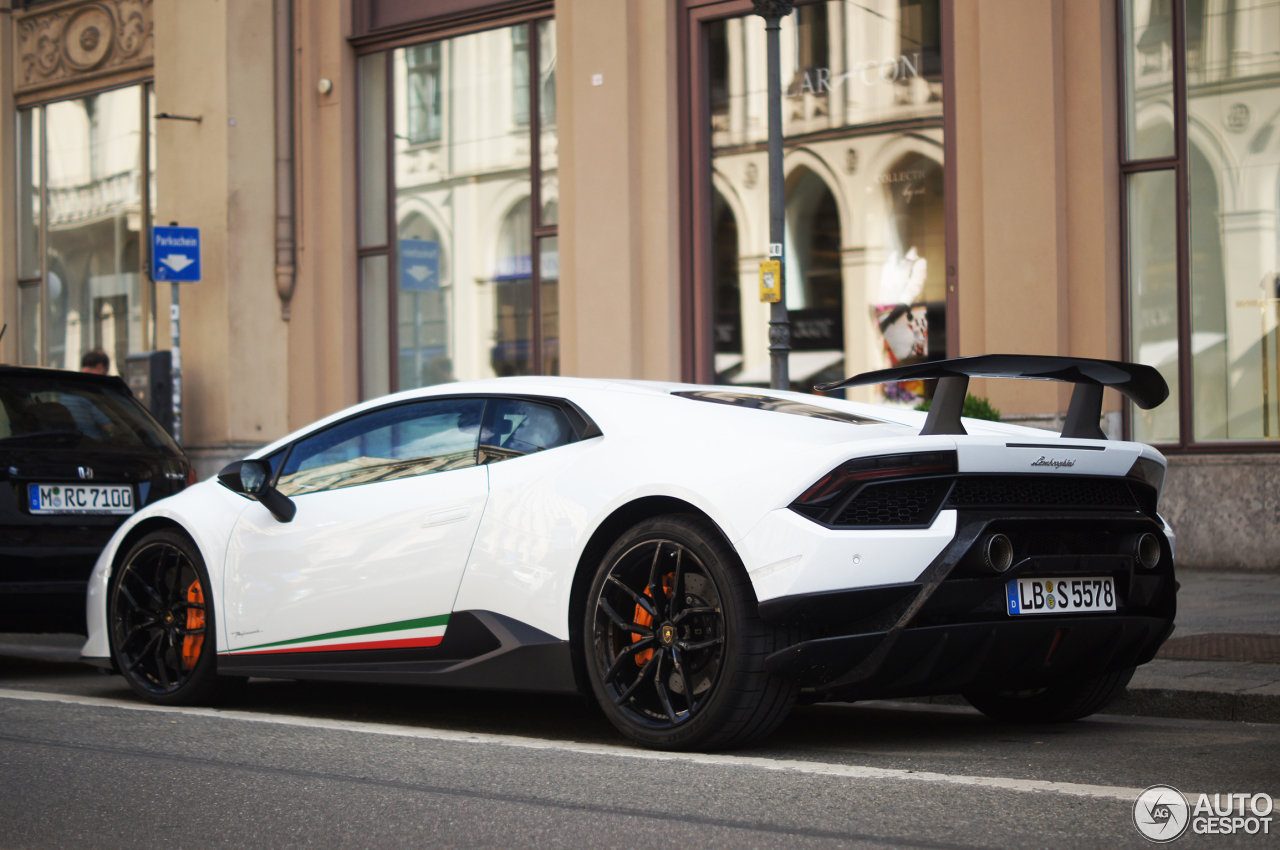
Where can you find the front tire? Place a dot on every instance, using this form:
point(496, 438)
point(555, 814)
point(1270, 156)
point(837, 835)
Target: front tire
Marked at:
point(160, 618)
point(673, 642)
point(1060, 703)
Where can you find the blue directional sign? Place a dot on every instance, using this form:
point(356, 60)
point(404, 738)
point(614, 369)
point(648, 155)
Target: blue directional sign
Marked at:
point(419, 265)
point(175, 254)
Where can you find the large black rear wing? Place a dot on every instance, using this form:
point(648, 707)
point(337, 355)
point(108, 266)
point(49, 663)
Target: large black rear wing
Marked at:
point(1143, 385)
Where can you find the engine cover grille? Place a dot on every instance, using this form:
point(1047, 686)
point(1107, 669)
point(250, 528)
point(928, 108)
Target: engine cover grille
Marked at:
point(1035, 491)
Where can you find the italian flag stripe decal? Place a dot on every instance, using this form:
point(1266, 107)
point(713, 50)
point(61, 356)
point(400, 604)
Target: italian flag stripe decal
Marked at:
point(333, 641)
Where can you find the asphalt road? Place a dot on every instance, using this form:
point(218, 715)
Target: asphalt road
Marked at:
point(85, 764)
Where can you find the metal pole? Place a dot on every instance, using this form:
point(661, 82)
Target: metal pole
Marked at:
point(175, 369)
point(773, 11)
point(175, 353)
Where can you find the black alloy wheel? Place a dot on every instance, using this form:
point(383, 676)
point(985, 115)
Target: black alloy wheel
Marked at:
point(161, 620)
point(674, 646)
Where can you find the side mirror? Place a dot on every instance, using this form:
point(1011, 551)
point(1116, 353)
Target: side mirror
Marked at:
point(252, 478)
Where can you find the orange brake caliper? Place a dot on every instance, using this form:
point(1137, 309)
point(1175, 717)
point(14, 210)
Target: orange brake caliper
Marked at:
point(642, 618)
point(192, 644)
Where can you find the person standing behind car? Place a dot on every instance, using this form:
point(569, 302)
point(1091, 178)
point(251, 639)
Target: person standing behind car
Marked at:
point(95, 361)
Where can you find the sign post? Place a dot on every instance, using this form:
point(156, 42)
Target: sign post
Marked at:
point(175, 257)
point(773, 11)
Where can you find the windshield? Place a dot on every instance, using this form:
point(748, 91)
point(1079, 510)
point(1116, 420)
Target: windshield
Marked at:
point(49, 409)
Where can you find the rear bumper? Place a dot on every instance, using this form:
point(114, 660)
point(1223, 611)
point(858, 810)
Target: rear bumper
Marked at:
point(949, 630)
point(1009, 655)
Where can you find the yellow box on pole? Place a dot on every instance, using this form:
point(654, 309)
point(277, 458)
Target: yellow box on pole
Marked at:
point(770, 281)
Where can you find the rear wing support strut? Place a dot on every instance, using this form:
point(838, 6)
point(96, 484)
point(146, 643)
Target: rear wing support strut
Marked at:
point(1141, 384)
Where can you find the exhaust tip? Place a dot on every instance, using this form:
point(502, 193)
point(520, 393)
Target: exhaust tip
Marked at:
point(1147, 550)
point(997, 553)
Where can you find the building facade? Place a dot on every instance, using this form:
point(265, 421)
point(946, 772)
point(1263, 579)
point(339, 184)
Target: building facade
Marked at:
point(400, 193)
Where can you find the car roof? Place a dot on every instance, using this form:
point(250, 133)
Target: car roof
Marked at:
point(578, 390)
point(113, 381)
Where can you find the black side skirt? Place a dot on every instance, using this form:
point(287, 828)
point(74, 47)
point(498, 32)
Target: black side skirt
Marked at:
point(480, 649)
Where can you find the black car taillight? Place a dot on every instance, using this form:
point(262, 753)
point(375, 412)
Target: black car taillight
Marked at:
point(852, 474)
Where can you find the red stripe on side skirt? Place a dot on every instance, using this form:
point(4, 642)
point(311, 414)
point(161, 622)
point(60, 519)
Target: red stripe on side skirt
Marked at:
point(403, 643)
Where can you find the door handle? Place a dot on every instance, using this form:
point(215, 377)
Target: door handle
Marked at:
point(446, 517)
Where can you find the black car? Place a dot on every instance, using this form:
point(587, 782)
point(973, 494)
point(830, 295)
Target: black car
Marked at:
point(78, 455)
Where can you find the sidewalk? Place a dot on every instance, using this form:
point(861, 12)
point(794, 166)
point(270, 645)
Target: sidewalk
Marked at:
point(1222, 662)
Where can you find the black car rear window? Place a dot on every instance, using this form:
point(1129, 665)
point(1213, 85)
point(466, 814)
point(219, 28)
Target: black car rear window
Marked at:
point(777, 405)
point(47, 409)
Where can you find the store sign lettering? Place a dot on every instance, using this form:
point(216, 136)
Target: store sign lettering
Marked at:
point(911, 178)
point(887, 70)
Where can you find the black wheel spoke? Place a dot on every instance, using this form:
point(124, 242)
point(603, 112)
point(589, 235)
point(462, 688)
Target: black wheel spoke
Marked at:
point(199, 606)
point(673, 603)
point(144, 652)
point(133, 603)
point(689, 612)
point(162, 668)
point(150, 591)
point(655, 585)
point(627, 654)
point(678, 660)
point(634, 628)
point(663, 696)
point(645, 672)
point(643, 602)
point(140, 627)
point(185, 632)
point(177, 590)
point(694, 646)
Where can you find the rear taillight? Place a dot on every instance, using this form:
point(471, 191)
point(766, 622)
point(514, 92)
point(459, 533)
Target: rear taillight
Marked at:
point(191, 476)
point(860, 470)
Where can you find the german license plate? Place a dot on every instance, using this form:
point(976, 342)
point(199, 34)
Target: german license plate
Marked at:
point(1060, 595)
point(81, 499)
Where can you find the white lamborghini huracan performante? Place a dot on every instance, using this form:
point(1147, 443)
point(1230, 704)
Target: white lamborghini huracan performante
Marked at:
point(695, 558)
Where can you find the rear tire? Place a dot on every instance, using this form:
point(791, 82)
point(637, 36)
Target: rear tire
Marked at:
point(1060, 703)
point(160, 619)
point(673, 642)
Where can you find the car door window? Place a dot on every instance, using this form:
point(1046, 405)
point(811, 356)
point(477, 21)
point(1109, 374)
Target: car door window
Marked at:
point(386, 444)
point(515, 427)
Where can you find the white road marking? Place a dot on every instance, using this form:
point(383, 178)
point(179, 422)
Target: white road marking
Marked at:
point(1103, 792)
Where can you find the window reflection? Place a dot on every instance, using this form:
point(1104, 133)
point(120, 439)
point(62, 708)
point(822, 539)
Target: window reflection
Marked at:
point(1233, 176)
point(386, 445)
point(423, 73)
point(1233, 142)
point(865, 239)
point(1153, 292)
point(462, 177)
point(91, 291)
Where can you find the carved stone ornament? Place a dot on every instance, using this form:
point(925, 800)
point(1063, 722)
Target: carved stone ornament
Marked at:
point(60, 43)
point(773, 8)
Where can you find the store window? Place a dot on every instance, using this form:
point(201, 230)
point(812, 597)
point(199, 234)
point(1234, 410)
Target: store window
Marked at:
point(1202, 174)
point(458, 151)
point(84, 199)
point(865, 237)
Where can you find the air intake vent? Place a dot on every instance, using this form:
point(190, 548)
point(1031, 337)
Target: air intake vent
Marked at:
point(1039, 492)
point(894, 504)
